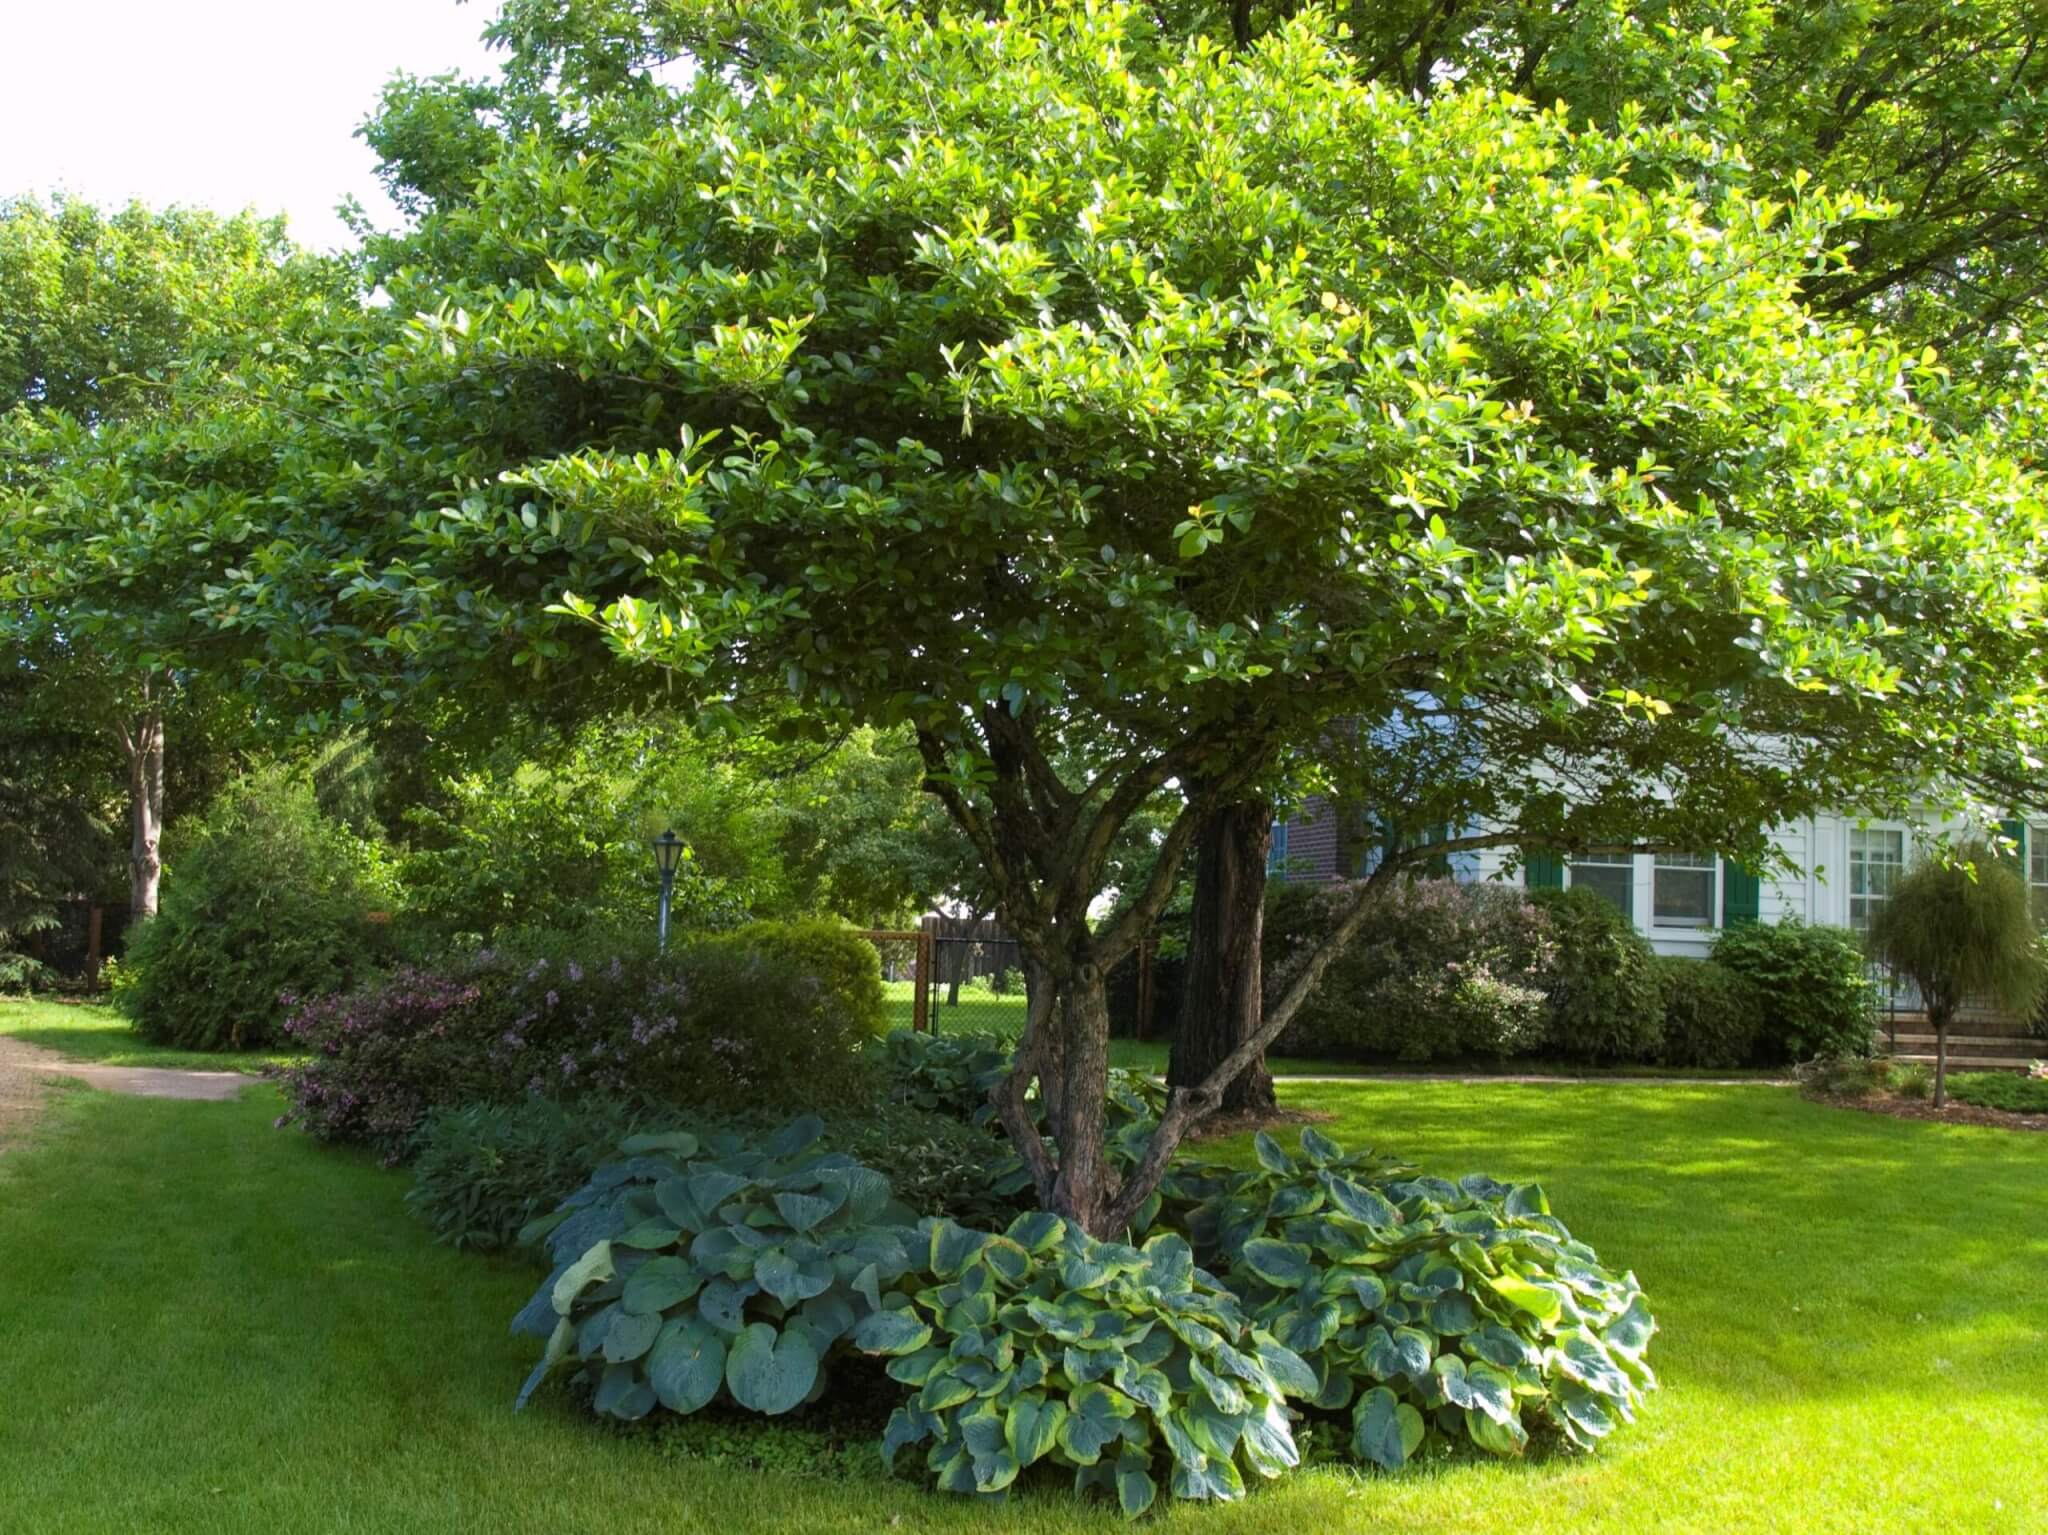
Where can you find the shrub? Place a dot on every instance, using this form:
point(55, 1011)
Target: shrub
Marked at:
point(2006, 1090)
point(846, 967)
point(484, 1170)
point(1461, 1310)
point(1439, 971)
point(719, 1025)
point(1605, 1001)
point(1711, 1013)
point(687, 1273)
point(1843, 1076)
point(955, 1073)
point(1912, 1081)
point(1814, 985)
point(266, 899)
point(937, 1164)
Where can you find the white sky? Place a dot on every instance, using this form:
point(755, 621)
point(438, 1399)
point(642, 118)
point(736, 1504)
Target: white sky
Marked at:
point(223, 104)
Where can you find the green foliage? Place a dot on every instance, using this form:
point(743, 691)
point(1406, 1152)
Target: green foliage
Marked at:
point(687, 1272)
point(1127, 1366)
point(937, 1162)
point(1814, 983)
point(845, 969)
point(1605, 1002)
point(955, 1073)
point(1712, 1014)
point(1962, 927)
point(482, 1171)
point(266, 901)
point(1427, 1308)
point(1843, 1076)
point(1439, 971)
point(2006, 1090)
point(1915, 1080)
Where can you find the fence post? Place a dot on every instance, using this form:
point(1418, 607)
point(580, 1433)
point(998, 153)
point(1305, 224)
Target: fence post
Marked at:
point(93, 919)
point(921, 989)
point(1145, 986)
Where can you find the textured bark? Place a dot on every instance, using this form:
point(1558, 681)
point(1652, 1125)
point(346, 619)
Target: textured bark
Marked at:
point(1220, 1008)
point(1085, 1185)
point(143, 740)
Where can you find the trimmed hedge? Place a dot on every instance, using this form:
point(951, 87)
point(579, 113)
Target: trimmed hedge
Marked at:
point(1711, 1013)
point(1814, 983)
point(1605, 1005)
point(776, 1013)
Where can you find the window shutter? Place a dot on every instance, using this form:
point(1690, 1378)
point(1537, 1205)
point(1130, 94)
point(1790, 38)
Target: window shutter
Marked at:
point(1543, 871)
point(1741, 895)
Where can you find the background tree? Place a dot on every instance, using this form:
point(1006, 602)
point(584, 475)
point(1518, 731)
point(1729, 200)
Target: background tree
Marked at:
point(963, 403)
point(1961, 928)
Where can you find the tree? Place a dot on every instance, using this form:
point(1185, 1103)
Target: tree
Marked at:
point(1960, 928)
point(53, 841)
point(1022, 381)
point(107, 320)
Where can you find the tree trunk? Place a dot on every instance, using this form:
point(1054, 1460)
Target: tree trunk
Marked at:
point(1075, 1083)
point(1221, 1006)
point(143, 740)
point(1940, 1060)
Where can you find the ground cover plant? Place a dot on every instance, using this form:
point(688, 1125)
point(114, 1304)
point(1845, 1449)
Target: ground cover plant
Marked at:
point(1736, 1202)
point(2006, 1090)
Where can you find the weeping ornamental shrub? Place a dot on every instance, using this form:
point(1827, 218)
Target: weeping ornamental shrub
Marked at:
point(1960, 929)
point(266, 899)
point(702, 1269)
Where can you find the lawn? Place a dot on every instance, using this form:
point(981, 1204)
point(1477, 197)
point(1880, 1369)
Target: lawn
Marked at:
point(211, 1326)
point(84, 1031)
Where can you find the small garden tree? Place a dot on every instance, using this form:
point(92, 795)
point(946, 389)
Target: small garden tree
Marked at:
point(1961, 927)
point(1027, 379)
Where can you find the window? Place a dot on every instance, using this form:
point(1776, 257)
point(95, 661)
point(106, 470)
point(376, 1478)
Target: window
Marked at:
point(1876, 858)
point(2037, 869)
point(1682, 890)
point(1276, 850)
point(1610, 871)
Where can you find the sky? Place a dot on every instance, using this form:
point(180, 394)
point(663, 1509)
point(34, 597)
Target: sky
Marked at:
point(223, 104)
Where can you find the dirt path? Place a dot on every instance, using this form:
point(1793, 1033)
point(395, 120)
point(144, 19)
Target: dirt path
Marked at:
point(26, 1070)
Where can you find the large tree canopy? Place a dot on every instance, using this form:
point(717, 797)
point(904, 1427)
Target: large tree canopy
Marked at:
point(1041, 378)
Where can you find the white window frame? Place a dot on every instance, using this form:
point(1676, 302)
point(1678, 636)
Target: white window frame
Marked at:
point(1858, 919)
point(1612, 861)
point(2035, 858)
point(1691, 864)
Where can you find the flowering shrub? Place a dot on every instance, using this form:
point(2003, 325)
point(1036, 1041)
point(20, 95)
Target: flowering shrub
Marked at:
point(721, 1023)
point(1440, 970)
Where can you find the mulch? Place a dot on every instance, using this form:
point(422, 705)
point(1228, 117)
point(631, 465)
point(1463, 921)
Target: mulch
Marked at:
point(1953, 1114)
point(1220, 1127)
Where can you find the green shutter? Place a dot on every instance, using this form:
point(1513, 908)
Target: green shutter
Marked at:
point(1543, 871)
point(1741, 895)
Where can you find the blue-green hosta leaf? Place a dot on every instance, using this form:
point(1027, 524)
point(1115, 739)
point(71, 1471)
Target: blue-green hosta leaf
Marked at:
point(1206, 1478)
point(952, 1467)
point(1384, 1429)
point(943, 1389)
point(590, 1332)
point(867, 1284)
point(1390, 1355)
point(686, 1366)
point(1083, 1365)
point(677, 1143)
point(1479, 1186)
point(723, 1303)
point(830, 1316)
point(1270, 1156)
point(915, 1369)
point(1451, 1313)
point(992, 1473)
point(1238, 1221)
point(1630, 1332)
point(1585, 1416)
point(1361, 1285)
point(593, 1268)
point(907, 1425)
point(1227, 1395)
point(1526, 1199)
point(622, 1394)
point(807, 1212)
point(1293, 1200)
point(982, 1430)
point(1032, 1427)
point(769, 1372)
point(1497, 1436)
point(1490, 1391)
point(1269, 1441)
point(1095, 1419)
point(630, 1336)
point(658, 1284)
point(1135, 1489)
point(649, 1235)
point(537, 1318)
point(1169, 1262)
point(1319, 1149)
point(1497, 1346)
point(953, 1247)
point(1037, 1231)
point(1448, 1374)
point(798, 1135)
point(1281, 1264)
point(1360, 1203)
point(1583, 1358)
point(559, 1343)
point(866, 1191)
point(1308, 1328)
point(711, 1187)
point(1140, 1382)
point(1008, 1260)
point(891, 1332)
point(1288, 1370)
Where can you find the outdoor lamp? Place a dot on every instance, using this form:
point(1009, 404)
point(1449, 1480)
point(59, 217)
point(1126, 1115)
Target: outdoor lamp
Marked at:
point(668, 856)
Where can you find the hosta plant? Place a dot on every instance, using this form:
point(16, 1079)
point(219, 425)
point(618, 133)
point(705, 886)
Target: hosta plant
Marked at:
point(955, 1073)
point(1127, 1366)
point(690, 1270)
point(1421, 1305)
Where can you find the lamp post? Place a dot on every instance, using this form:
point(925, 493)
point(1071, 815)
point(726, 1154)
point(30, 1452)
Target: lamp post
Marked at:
point(668, 855)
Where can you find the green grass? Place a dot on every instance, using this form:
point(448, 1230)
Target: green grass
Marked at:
point(83, 1031)
point(2006, 1090)
point(212, 1327)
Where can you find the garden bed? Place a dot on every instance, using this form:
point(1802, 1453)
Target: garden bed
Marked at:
point(1954, 1112)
